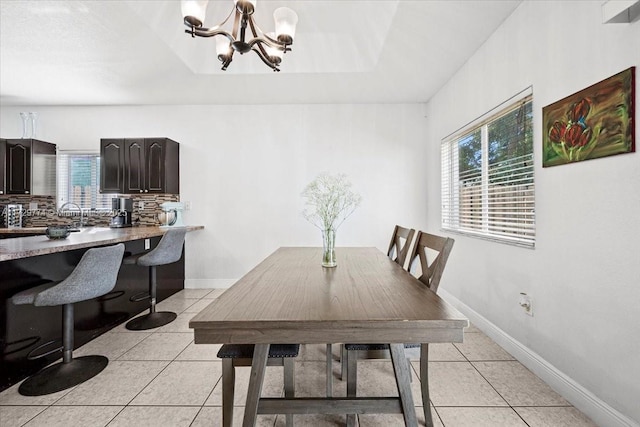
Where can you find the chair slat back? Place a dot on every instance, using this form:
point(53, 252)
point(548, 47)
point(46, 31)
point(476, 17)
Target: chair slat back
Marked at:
point(400, 244)
point(431, 271)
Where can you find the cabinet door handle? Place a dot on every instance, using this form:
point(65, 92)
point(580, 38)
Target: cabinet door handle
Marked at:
point(26, 192)
point(146, 191)
point(141, 191)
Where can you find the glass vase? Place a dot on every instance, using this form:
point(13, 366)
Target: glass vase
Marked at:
point(25, 125)
point(34, 123)
point(329, 248)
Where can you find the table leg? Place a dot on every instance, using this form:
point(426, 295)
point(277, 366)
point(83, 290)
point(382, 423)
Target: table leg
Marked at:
point(403, 380)
point(289, 384)
point(352, 382)
point(424, 383)
point(258, 367)
point(228, 386)
point(329, 370)
point(343, 362)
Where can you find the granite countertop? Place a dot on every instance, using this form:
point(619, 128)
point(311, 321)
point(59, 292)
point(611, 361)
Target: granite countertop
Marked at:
point(23, 230)
point(24, 247)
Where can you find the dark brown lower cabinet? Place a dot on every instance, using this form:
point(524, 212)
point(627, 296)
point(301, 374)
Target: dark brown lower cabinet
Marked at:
point(25, 327)
point(3, 155)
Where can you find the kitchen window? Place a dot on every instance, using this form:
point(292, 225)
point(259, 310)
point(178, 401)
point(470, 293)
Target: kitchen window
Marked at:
point(78, 181)
point(488, 188)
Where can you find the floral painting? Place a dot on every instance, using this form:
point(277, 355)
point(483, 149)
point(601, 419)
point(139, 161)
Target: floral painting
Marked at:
point(592, 123)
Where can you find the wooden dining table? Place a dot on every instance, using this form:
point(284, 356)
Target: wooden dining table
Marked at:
point(289, 298)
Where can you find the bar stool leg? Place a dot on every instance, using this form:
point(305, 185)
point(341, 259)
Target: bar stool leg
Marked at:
point(154, 319)
point(152, 289)
point(67, 333)
point(70, 372)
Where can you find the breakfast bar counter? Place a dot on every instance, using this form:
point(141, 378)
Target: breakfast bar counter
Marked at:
point(26, 262)
point(4, 231)
point(24, 247)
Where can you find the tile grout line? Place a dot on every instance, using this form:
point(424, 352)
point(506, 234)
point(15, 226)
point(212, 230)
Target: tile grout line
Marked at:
point(212, 389)
point(201, 407)
point(161, 371)
point(155, 377)
point(489, 382)
point(496, 390)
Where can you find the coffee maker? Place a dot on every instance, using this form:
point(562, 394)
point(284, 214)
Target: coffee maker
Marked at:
point(122, 210)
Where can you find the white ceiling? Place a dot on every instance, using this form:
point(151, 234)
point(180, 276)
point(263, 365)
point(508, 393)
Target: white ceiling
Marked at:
point(136, 52)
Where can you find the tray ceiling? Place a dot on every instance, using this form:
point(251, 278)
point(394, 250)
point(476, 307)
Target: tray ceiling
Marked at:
point(136, 52)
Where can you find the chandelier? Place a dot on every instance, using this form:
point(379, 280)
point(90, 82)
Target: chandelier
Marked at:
point(270, 47)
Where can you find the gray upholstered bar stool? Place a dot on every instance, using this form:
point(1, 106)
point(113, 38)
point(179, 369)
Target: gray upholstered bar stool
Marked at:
point(168, 251)
point(94, 276)
point(233, 355)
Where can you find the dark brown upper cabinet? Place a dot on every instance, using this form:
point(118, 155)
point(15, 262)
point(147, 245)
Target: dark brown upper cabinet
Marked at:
point(112, 165)
point(140, 165)
point(29, 167)
point(18, 166)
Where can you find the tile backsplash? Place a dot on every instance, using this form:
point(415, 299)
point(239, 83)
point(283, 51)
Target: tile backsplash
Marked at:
point(47, 214)
point(147, 215)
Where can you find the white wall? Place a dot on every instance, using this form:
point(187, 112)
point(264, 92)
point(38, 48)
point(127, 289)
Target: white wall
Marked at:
point(584, 273)
point(243, 169)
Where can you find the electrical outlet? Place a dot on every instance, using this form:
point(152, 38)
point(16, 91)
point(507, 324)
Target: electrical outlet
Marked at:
point(141, 205)
point(147, 244)
point(526, 303)
point(187, 206)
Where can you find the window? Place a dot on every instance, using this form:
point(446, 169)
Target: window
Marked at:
point(487, 175)
point(78, 181)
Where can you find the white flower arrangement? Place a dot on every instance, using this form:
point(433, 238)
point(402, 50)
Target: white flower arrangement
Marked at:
point(329, 201)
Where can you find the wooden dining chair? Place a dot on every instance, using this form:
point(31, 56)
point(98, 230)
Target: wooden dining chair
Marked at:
point(433, 252)
point(400, 244)
point(233, 355)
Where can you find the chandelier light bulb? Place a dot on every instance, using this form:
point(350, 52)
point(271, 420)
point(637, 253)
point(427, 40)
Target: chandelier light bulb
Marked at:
point(275, 54)
point(194, 11)
point(286, 21)
point(223, 48)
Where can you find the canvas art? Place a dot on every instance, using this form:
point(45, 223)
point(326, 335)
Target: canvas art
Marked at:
point(596, 122)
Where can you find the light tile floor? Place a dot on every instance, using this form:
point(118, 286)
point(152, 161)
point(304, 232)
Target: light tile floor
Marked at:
point(161, 378)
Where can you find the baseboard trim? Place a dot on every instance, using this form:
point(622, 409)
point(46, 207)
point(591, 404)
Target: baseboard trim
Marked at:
point(208, 283)
point(600, 412)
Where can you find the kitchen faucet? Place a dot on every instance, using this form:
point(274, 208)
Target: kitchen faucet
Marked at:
point(82, 222)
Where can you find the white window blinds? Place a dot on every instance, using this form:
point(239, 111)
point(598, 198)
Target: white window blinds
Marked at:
point(488, 175)
point(78, 181)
